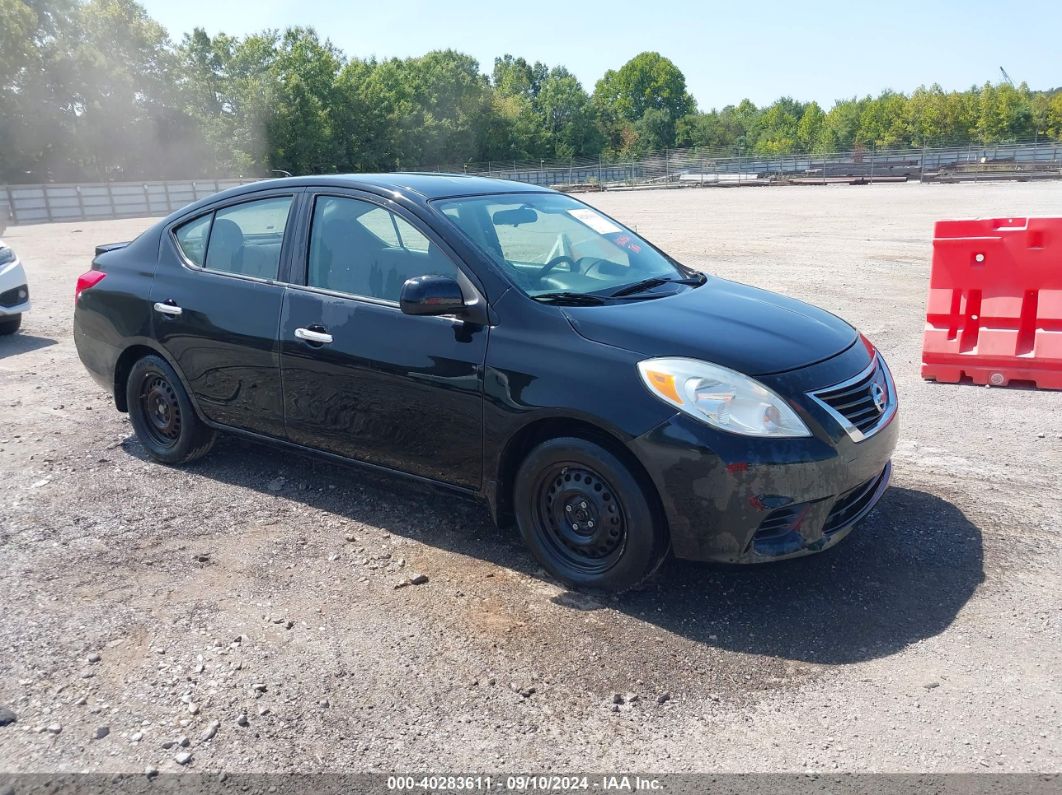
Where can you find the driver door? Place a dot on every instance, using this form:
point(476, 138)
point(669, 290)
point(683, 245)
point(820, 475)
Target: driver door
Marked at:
point(362, 379)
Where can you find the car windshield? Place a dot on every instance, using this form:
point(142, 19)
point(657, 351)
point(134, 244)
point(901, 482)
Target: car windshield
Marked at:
point(555, 246)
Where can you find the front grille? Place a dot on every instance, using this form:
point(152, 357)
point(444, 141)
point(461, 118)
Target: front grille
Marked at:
point(778, 522)
point(779, 532)
point(14, 296)
point(853, 505)
point(862, 404)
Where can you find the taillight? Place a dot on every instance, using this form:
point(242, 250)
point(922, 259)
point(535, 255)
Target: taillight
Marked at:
point(86, 280)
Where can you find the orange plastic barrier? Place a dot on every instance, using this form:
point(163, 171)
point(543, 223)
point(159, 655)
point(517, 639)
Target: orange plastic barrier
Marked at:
point(995, 302)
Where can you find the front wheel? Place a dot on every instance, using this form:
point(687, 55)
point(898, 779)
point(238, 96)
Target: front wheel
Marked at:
point(162, 414)
point(10, 324)
point(586, 516)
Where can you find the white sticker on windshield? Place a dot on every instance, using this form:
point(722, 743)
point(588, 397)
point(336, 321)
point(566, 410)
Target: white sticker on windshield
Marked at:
point(595, 221)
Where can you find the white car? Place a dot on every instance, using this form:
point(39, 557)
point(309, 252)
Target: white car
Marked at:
point(14, 292)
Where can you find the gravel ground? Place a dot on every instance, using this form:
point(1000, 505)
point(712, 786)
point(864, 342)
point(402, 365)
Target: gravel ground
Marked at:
point(242, 614)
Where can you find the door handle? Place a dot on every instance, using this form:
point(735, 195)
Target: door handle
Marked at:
point(168, 309)
point(320, 337)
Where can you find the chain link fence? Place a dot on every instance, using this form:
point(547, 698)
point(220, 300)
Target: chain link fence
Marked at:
point(671, 168)
point(694, 167)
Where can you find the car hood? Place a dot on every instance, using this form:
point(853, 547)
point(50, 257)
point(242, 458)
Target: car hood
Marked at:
point(743, 328)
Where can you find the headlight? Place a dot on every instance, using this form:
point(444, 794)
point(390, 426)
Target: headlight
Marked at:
point(723, 398)
point(6, 255)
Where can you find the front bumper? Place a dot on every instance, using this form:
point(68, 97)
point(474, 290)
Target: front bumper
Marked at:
point(11, 305)
point(14, 292)
point(737, 499)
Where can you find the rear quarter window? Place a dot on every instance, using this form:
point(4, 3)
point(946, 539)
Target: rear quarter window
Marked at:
point(192, 238)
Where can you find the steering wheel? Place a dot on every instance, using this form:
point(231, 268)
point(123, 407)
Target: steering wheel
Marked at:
point(553, 263)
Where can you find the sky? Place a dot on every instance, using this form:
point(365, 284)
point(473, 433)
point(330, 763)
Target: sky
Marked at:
point(728, 51)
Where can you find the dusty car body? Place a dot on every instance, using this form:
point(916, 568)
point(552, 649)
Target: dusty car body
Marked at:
point(505, 341)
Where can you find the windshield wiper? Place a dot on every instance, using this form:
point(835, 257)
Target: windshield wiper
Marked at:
point(656, 281)
point(638, 287)
point(573, 299)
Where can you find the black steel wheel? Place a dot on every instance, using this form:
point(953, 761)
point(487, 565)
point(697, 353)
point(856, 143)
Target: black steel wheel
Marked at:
point(161, 409)
point(162, 413)
point(581, 516)
point(587, 517)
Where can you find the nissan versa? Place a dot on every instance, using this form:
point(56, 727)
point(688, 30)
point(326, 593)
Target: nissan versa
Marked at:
point(506, 341)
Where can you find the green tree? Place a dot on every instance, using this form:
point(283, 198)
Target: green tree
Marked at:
point(647, 81)
point(566, 116)
point(514, 130)
point(35, 117)
point(453, 99)
point(226, 87)
point(778, 127)
point(1004, 113)
point(883, 123)
point(516, 77)
point(18, 30)
point(120, 95)
point(840, 128)
point(654, 131)
point(301, 128)
point(94, 89)
point(431, 110)
point(809, 128)
point(1053, 125)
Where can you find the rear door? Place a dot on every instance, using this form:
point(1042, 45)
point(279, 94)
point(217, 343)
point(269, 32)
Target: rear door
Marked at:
point(217, 298)
point(362, 379)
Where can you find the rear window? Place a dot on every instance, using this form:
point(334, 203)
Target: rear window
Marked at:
point(244, 239)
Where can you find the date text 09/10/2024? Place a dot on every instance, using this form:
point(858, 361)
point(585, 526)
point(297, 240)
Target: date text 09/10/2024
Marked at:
point(524, 783)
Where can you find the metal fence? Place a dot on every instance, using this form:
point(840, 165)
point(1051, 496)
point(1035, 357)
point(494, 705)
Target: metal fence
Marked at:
point(693, 167)
point(671, 168)
point(31, 204)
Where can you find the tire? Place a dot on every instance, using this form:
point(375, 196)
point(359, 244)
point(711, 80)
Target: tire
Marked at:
point(587, 518)
point(162, 414)
point(10, 324)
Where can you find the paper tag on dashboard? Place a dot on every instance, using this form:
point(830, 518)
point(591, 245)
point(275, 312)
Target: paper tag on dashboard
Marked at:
point(595, 221)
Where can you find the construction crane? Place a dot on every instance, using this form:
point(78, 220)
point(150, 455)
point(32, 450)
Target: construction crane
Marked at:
point(1006, 77)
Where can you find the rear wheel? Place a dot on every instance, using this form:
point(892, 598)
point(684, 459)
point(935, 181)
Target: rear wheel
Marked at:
point(586, 517)
point(10, 324)
point(162, 414)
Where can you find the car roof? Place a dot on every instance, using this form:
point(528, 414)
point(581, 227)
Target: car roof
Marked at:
point(414, 185)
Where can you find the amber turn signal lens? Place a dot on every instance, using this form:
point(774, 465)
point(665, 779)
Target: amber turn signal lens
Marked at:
point(664, 383)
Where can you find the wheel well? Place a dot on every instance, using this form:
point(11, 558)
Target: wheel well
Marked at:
point(540, 431)
point(121, 372)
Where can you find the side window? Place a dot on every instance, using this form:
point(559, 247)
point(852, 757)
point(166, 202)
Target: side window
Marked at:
point(192, 238)
point(410, 237)
point(362, 249)
point(246, 238)
point(381, 223)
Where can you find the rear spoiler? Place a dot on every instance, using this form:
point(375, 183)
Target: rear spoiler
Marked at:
point(103, 248)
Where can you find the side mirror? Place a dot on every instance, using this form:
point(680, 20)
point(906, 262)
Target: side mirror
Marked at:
point(432, 295)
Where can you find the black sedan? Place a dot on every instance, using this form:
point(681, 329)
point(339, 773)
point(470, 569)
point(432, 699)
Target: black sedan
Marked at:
point(506, 341)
